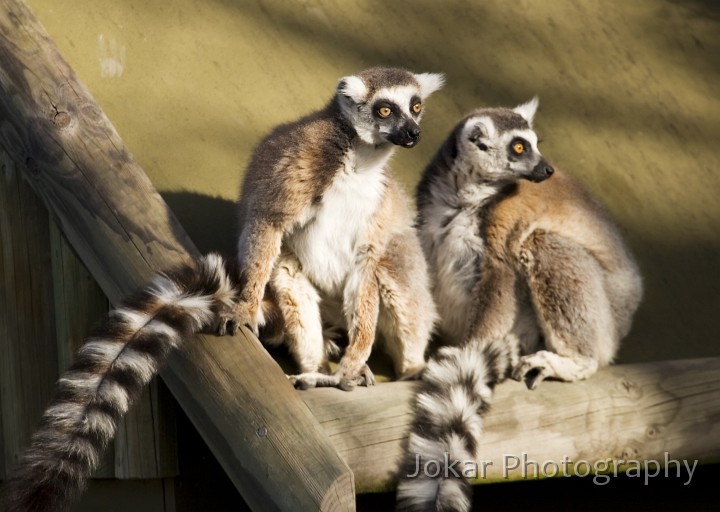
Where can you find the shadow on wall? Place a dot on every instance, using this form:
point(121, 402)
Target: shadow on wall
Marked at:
point(477, 70)
point(678, 317)
point(211, 222)
point(682, 287)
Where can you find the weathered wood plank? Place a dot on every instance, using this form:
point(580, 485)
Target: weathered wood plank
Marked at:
point(146, 444)
point(147, 434)
point(28, 356)
point(79, 301)
point(123, 231)
point(638, 412)
point(78, 304)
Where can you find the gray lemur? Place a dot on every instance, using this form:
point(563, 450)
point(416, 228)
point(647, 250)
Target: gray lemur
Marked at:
point(117, 360)
point(532, 280)
point(327, 234)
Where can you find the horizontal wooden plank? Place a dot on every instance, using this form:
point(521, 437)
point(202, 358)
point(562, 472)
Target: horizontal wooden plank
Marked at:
point(625, 412)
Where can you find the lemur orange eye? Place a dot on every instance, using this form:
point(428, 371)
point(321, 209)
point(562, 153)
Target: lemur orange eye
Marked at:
point(519, 148)
point(417, 107)
point(384, 111)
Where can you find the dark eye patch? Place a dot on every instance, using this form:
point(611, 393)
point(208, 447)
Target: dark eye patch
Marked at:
point(415, 101)
point(381, 104)
point(519, 148)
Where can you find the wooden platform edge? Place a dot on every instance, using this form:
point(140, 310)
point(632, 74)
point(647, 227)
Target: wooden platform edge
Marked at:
point(653, 412)
point(255, 423)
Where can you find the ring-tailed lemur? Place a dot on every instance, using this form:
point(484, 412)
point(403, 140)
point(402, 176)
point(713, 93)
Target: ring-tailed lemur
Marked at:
point(327, 234)
point(117, 360)
point(531, 279)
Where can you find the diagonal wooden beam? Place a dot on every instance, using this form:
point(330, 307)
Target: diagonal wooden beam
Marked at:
point(237, 397)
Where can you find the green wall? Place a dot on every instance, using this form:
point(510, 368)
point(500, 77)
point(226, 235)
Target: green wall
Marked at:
point(628, 90)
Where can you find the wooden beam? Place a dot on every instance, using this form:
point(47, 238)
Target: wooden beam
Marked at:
point(626, 412)
point(234, 393)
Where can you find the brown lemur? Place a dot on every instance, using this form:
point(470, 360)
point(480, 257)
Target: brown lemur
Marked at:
point(324, 227)
point(531, 278)
point(327, 235)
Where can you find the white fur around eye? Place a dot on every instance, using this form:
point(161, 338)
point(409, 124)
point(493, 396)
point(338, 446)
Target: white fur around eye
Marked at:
point(401, 96)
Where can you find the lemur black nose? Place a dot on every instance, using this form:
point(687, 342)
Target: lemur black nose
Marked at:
point(541, 171)
point(414, 132)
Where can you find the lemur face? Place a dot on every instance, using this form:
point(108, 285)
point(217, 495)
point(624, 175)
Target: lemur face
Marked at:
point(501, 146)
point(385, 105)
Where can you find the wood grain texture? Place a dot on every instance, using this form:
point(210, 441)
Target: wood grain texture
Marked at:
point(28, 356)
point(146, 443)
point(78, 304)
point(124, 232)
point(627, 412)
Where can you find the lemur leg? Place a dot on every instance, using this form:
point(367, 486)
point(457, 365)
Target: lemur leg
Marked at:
point(572, 308)
point(256, 266)
point(407, 311)
point(299, 305)
point(361, 302)
point(496, 312)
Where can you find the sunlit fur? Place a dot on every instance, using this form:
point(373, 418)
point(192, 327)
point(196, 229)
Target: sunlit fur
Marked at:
point(327, 233)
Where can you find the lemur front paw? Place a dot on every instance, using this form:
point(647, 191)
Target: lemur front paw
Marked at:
point(348, 380)
point(532, 369)
point(229, 321)
point(339, 379)
point(310, 380)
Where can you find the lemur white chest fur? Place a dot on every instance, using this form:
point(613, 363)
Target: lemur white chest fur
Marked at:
point(327, 240)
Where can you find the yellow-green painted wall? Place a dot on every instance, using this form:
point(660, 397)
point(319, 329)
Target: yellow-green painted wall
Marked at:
point(630, 102)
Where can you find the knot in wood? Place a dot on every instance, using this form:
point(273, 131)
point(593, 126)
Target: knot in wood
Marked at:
point(630, 388)
point(653, 431)
point(61, 119)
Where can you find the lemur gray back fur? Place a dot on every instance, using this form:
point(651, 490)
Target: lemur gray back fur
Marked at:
point(531, 281)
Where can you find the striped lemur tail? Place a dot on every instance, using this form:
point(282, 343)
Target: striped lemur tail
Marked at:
point(115, 363)
point(454, 395)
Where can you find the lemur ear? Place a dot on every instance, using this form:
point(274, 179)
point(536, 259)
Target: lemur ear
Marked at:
point(429, 83)
point(352, 87)
point(475, 132)
point(476, 129)
point(527, 110)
